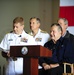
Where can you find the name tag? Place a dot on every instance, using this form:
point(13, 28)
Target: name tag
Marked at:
point(10, 39)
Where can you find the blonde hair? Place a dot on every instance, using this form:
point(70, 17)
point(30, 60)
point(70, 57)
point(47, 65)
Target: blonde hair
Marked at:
point(18, 20)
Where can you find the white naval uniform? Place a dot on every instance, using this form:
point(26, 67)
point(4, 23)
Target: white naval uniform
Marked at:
point(40, 39)
point(15, 67)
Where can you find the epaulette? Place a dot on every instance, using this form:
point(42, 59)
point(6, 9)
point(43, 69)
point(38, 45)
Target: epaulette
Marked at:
point(30, 34)
point(43, 31)
point(26, 32)
point(9, 32)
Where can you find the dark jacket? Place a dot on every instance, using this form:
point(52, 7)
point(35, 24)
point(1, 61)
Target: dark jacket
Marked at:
point(69, 50)
point(62, 51)
point(70, 37)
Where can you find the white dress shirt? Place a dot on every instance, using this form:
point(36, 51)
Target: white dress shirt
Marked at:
point(15, 67)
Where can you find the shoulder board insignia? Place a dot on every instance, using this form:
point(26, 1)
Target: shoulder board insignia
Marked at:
point(30, 34)
point(43, 31)
point(26, 32)
point(9, 32)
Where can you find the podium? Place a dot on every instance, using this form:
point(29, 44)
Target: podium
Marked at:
point(30, 55)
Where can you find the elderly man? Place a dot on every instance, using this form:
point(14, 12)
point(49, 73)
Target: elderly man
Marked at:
point(70, 38)
point(62, 51)
point(64, 24)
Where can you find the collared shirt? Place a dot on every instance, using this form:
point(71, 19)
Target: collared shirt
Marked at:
point(41, 37)
point(64, 34)
point(15, 67)
point(14, 39)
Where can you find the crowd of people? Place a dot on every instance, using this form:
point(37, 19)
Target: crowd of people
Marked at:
point(61, 44)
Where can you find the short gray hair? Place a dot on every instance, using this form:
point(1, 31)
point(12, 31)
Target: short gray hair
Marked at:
point(65, 20)
point(58, 25)
point(37, 19)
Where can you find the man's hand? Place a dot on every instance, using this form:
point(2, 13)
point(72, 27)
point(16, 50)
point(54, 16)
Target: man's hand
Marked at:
point(46, 66)
point(8, 54)
point(54, 65)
